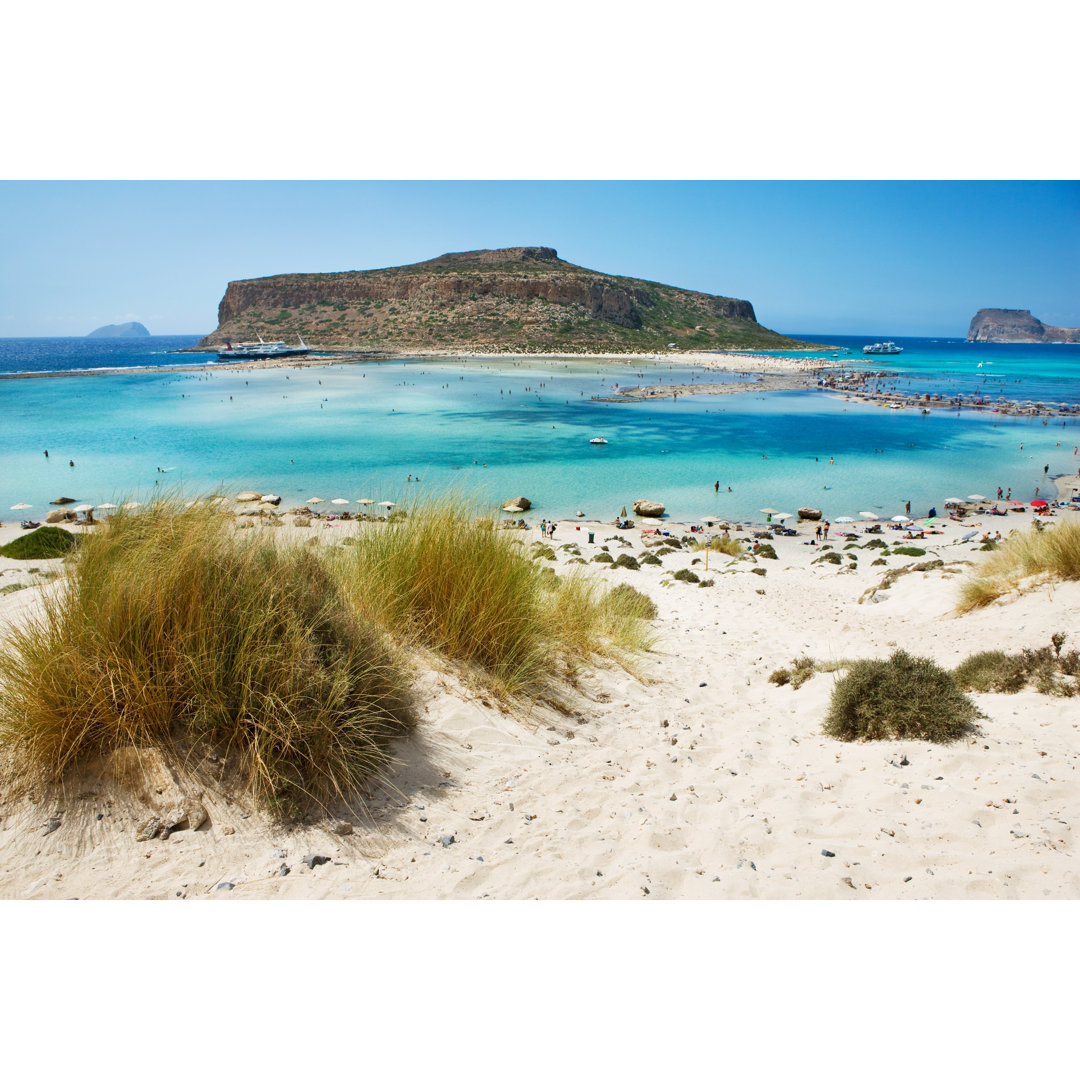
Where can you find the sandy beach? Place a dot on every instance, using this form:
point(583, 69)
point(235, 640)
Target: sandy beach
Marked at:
point(693, 777)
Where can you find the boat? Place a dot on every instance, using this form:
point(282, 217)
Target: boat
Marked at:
point(261, 350)
point(882, 348)
point(598, 441)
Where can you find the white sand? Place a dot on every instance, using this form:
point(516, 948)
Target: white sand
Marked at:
point(660, 788)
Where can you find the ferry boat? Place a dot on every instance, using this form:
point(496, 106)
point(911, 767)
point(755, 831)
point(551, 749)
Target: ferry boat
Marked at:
point(882, 348)
point(261, 350)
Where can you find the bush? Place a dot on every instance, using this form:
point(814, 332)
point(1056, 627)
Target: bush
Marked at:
point(879, 562)
point(759, 570)
point(628, 562)
point(706, 583)
point(992, 671)
point(602, 556)
point(724, 544)
point(626, 600)
point(542, 551)
point(176, 631)
point(48, 542)
point(687, 575)
point(651, 560)
point(875, 543)
point(1046, 668)
point(833, 557)
point(915, 552)
point(904, 697)
point(765, 551)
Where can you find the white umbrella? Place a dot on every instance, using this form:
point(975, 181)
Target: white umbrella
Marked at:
point(82, 509)
point(710, 520)
point(23, 506)
point(977, 498)
point(340, 502)
point(107, 506)
point(952, 500)
point(766, 510)
point(387, 504)
point(365, 502)
point(901, 518)
point(868, 514)
point(844, 520)
point(131, 505)
point(782, 516)
point(315, 499)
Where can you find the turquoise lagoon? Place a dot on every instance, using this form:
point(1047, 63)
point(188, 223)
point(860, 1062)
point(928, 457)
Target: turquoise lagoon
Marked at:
point(488, 430)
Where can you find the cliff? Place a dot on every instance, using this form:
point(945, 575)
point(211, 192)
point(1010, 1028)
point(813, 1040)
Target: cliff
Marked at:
point(1017, 325)
point(510, 298)
point(127, 329)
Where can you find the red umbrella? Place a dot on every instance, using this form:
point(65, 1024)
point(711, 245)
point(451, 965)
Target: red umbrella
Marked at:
point(1040, 502)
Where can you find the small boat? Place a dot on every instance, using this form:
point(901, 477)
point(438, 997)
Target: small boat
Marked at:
point(598, 441)
point(261, 350)
point(882, 348)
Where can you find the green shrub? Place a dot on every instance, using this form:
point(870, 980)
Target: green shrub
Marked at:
point(651, 560)
point(48, 542)
point(833, 557)
point(602, 556)
point(992, 671)
point(686, 575)
point(879, 562)
point(875, 543)
point(706, 583)
point(628, 562)
point(915, 552)
point(627, 600)
point(904, 697)
point(759, 570)
point(765, 551)
point(542, 551)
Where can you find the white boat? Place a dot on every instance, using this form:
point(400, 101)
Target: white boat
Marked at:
point(599, 441)
point(261, 350)
point(882, 348)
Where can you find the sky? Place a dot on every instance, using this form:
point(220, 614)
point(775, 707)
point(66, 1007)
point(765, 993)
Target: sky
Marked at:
point(901, 258)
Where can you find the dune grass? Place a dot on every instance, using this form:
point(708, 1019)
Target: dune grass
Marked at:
point(1047, 669)
point(726, 545)
point(177, 631)
point(1053, 553)
point(456, 583)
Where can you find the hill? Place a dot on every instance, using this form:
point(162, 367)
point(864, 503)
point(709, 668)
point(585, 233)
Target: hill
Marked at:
point(1016, 325)
point(127, 329)
point(510, 298)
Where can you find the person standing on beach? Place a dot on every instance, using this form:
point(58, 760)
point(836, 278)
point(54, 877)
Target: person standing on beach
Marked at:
point(817, 532)
point(716, 486)
point(551, 531)
point(826, 530)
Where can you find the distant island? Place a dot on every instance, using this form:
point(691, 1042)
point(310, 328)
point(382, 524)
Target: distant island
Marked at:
point(1017, 325)
point(127, 329)
point(508, 299)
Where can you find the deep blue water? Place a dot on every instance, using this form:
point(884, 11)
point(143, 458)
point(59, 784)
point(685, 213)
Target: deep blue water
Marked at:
point(493, 429)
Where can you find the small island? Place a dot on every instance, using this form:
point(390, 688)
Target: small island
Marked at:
point(1017, 325)
point(115, 330)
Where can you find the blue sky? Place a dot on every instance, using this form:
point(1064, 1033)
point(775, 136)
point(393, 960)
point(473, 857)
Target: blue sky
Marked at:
point(823, 256)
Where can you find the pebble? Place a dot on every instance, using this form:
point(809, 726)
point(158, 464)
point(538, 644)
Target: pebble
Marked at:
point(311, 861)
point(446, 841)
point(227, 830)
point(228, 886)
point(51, 826)
point(279, 853)
point(283, 871)
point(673, 798)
point(342, 828)
point(828, 854)
point(702, 684)
point(908, 878)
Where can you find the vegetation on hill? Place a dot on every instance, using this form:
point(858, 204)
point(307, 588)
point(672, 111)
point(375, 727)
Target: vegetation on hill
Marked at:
point(511, 299)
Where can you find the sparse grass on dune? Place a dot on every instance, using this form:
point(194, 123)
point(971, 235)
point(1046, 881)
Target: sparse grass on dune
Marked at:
point(1051, 551)
point(175, 630)
point(460, 585)
point(724, 544)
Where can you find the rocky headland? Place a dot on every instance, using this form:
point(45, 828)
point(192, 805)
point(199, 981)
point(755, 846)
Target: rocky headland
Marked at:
point(510, 299)
point(1008, 325)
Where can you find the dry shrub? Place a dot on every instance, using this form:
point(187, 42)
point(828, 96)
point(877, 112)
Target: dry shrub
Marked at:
point(903, 697)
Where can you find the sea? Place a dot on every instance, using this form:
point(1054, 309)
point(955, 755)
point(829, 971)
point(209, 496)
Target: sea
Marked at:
point(485, 430)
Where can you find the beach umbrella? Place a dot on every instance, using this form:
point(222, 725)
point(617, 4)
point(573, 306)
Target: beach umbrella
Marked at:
point(767, 510)
point(977, 498)
point(844, 520)
point(315, 499)
point(387, 504)
point(365, 502)
point(107, 506)
point(868, 514)
point(710, 520)
point(901, 518)
point(969, 535)
point(340, 502)
point(782, 516)
point(953, 500)
point(131, 505)
point(86, 506)
point(1040, 502)
point(23, 506)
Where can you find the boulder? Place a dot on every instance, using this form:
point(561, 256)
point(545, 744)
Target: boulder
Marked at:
point(145, 773)
point(250, 511)
point(273, 500)
point(54, 516)
point(645, 508)
point(808, 513)
point(249, 496)
point(62, 501)
point(520, 503)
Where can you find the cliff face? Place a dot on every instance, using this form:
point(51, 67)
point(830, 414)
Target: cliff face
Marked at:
point(1016, 325)
point(508, 298)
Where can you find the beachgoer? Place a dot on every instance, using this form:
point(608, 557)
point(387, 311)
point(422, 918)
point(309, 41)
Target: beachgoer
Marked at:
point(551, 531)
point(826, 530)
point(817, 532)
point(1046, 469)
point(716, 486)
point(999, 493)
point(72, 464)
point(907, 508)
point(46, 453)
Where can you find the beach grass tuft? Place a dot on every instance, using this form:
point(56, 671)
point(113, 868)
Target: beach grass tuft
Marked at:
point(177, 631)
point(903, 697)
point(1051, 553)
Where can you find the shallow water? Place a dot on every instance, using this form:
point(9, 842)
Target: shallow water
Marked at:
point(491, 430)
